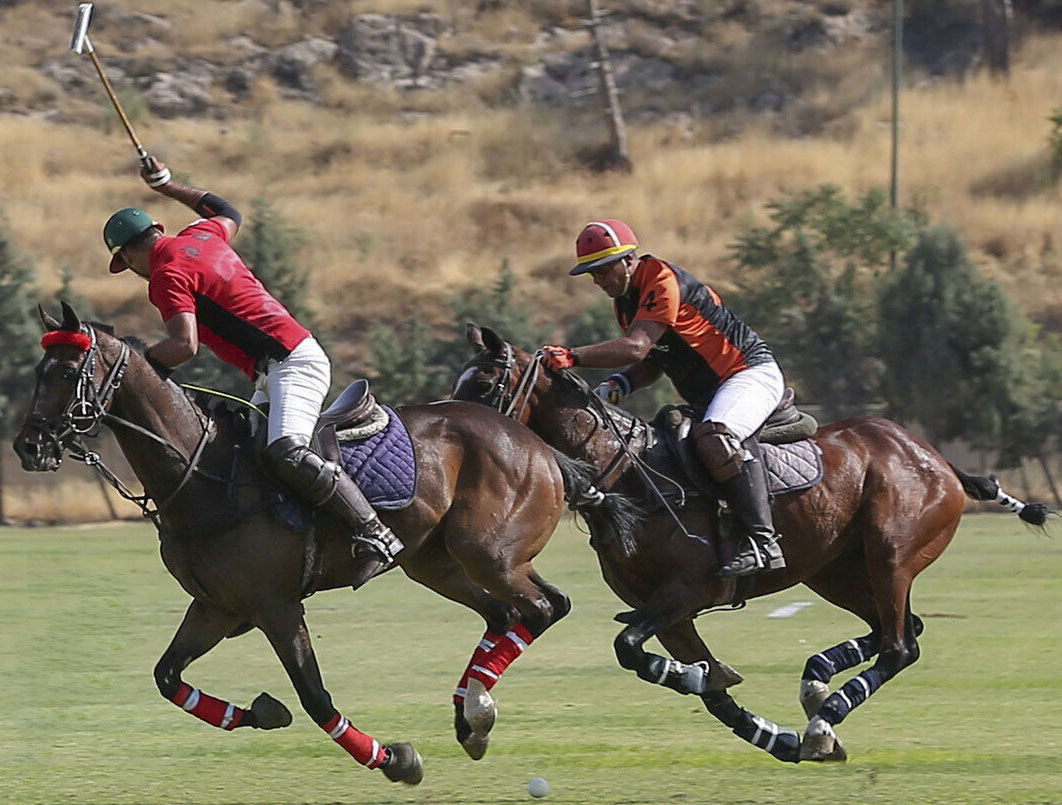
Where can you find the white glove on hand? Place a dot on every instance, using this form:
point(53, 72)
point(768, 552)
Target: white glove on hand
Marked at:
point(159, 179)
point(614, 389)
point(155, 172)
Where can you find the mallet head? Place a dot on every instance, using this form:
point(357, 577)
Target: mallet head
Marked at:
point(81, 40)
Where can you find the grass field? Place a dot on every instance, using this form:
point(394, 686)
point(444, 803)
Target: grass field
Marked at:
point(85, 613)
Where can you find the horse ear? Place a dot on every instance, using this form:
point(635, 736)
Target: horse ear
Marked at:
point(50, 322)
point(491, 340)
point(474, 336)
point(70, 320)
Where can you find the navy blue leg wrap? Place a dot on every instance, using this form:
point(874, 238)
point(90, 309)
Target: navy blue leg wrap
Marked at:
point(821, 667)
point(777, 741)
point(855, 691)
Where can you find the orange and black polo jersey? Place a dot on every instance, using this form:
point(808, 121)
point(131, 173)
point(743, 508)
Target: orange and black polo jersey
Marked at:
point(704, 344)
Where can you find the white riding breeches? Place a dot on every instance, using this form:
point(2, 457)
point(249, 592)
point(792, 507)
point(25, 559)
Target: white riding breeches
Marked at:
point(295, 389)
point(745, 400)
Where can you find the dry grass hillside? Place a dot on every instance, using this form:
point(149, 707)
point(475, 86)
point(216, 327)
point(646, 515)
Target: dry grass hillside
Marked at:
point(407, 196)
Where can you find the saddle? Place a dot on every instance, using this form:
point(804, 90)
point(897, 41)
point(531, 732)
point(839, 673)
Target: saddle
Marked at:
point(793, 462)
point(367, 439)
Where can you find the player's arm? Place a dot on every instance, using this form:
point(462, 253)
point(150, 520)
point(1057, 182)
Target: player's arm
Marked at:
point(203, 202)
point(181, 343)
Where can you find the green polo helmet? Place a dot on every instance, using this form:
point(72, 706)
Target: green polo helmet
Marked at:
point(122, 227)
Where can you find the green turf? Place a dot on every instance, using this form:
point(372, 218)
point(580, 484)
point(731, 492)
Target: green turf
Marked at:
point(85, 613)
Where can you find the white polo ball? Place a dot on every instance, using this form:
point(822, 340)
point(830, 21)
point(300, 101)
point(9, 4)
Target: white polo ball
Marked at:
point(537, 787)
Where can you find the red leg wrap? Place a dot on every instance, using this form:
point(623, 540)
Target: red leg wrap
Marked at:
point(505, 650)
point(206, 707)
point(363, 748)
point(479, 656)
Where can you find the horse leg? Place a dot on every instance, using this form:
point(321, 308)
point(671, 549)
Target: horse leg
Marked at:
point(203, 628)
point(474, 708)
point(286, 630)
point(666, 608)
point(690, 672)
point(894, 642)
point(685, 645)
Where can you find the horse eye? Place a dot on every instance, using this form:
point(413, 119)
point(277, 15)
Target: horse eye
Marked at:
point(68, 373)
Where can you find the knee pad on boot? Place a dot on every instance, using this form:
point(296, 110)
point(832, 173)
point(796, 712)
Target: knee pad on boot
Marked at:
point(719, 450)
point(297, 466)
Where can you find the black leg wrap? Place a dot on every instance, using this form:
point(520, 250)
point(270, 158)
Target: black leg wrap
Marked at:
point(779, 742)
point(822, 666)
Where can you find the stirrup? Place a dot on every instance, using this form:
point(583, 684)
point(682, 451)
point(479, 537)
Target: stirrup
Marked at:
point(754, 559)
point(375, 553)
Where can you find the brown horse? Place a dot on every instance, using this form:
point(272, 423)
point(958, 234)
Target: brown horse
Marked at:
point(488, 496)
point(887, 506)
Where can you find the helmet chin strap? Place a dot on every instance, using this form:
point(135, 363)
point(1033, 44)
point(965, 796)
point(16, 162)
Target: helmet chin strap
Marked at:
point(627, 272)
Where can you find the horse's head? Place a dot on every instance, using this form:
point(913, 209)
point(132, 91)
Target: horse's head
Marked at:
point(499, 375)
point(73, 391)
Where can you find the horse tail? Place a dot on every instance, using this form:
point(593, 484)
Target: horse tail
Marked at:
point(985, 487)
point(613, 517)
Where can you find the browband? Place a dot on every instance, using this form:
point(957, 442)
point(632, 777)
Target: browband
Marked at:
point(80, 340)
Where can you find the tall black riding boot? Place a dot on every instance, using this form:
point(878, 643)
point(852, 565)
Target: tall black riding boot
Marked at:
point(324, 484)
point(749, 498)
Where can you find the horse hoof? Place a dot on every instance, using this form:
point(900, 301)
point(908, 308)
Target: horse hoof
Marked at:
point(480, 710)
point(723, 677)
point(269, 714)
point(475, 746)
point(820, 742)
point(404, 765)
point(480, 713)
point(625, 617)
point(812, 694)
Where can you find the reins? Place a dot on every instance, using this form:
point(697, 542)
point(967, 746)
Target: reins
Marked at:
point(521, 395)
point(644, 470)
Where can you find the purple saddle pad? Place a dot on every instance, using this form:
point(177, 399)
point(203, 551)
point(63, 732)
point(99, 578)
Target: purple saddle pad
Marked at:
point(383, 465)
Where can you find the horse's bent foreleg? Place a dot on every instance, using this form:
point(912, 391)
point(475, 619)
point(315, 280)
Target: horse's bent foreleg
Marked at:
point(655, 618)
point(203, 628)
point(286, 630)
point(685, 645)
point(780, 742)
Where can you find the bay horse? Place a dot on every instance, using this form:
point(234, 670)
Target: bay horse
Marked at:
point(887, 506)
point(488, 496)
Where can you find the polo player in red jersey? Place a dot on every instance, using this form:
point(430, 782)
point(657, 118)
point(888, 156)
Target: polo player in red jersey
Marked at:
point(206, 294)
point(678, 326)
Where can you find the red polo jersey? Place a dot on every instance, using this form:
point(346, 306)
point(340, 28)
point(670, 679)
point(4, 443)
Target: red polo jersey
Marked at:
point(196, 271)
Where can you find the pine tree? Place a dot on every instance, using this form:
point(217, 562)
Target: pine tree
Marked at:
point(20, 334)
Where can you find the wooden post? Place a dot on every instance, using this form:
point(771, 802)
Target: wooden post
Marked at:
point(618, 155)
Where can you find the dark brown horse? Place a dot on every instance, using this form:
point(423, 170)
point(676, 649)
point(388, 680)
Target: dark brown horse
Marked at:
point(887, 506)
point(488, 496)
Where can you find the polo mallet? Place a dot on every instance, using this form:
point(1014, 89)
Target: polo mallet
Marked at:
point(81, 43)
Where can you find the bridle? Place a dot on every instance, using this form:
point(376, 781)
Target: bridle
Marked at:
point(88, 408)
point(500, 399)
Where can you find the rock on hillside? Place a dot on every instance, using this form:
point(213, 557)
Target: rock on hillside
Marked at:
point(685, 56)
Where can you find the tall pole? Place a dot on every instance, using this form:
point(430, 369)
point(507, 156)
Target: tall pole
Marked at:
point(618, 154)
point(897, 74)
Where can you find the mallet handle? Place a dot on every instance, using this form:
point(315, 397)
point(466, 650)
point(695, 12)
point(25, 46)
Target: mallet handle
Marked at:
point(140, 150)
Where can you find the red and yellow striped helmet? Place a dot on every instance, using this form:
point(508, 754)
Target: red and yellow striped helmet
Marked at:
point(602, 242)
